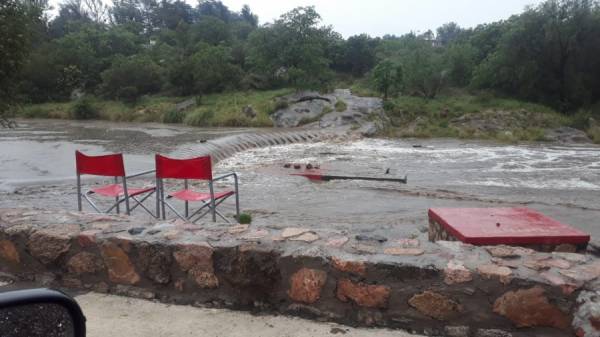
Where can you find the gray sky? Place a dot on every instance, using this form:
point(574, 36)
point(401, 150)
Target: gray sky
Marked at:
point(380, 17)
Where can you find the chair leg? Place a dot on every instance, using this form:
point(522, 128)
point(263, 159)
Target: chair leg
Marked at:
point(212, 202)
point(187, 204)
point(127, 208)
point(237, 198)
point(79, 203)
point(117, 198)
point(162, 199)
point(158, 189)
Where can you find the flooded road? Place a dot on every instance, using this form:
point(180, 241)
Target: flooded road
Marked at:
point(42, 151)
point(561, 181)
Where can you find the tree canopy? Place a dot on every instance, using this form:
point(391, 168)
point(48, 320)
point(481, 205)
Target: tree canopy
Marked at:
point(548, 53)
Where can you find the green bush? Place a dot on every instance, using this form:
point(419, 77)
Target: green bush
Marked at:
point(594, 134)
point(35, 112)
point(245, 219)
point(340, 106)
point(389, 106)
point(200, 118)
point(128, 94)
point(84, 108)
point(281, 104)
point(173, 116)
point(235, 121)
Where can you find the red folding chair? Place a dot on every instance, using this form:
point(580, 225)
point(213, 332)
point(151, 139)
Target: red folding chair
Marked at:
point(111, 165)
point(193, 169)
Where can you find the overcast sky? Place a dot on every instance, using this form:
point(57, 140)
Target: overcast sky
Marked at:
point(380, 17)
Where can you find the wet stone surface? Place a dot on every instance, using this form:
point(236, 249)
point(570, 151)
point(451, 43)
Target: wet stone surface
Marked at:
point(215, 264)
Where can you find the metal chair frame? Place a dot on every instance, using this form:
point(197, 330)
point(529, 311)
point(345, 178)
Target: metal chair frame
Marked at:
point(118, 200)
point(209, 206)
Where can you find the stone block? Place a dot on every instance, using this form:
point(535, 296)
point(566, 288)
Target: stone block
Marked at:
point(306, 285)
point(435, 305)
point(531, 308)
point(120, 268)
point(365, 295)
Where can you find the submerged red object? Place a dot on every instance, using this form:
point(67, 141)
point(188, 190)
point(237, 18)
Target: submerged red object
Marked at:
point(316, 174)
point(510, 226)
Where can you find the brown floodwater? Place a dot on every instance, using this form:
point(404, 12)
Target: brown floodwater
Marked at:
point(37, 170)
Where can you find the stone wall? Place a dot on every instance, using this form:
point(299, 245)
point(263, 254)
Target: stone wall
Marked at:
point(443, 289)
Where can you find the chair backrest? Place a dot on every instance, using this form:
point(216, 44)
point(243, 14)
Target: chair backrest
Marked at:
point(199, 168)
point(110, 165)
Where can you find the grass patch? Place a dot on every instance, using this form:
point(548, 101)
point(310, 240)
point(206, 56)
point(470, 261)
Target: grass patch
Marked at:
point(471, 116)
point(341, 106)
point(226, 108)
point(363, 88)
point(223, 109)
point(245, 219)
point(173, 116)
point(594, 134)
point(46, 110)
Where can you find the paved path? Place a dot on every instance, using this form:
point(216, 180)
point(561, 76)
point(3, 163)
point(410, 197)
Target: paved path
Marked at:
point(119, 316)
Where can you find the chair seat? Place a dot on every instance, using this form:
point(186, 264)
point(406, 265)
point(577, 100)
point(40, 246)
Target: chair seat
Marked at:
point(189, 195)
point(116, 190)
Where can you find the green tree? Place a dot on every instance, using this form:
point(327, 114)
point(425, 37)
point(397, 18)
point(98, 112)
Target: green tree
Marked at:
point(383, 77)
point(358, 55)
point(424, 70)
point(548, 54)
point(459, 60)
point(293, 50)
point(213, 70)
point(171, 13)
point(17, 21)
point(211, 30)
point(208, 70)
point(71, 17)
point(448, 33)
point(249, 17)
point(215, 9)
point(128, 78)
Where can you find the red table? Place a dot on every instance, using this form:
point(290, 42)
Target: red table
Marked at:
point(509, 226)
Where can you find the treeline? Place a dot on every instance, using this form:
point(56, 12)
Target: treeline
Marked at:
point(547, 54)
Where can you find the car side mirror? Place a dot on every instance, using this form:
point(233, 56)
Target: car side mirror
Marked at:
point(40, 313)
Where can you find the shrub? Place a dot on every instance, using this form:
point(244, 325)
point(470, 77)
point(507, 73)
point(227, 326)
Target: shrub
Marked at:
point(245, 219)
point(84, 108)
point(389, 106)
point(35, 112)
point(281, 104)
point(235, 121)
point(173, 116)
point(200, 118)
point(128, 94)
point(326, 109)
point(340, 106)
point(594, 134)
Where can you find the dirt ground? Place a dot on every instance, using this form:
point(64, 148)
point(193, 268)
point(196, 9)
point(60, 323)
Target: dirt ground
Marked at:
point(126, 317)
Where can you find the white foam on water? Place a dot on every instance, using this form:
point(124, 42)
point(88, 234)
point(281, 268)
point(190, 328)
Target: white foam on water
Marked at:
point(514, 166)
point(555, 184)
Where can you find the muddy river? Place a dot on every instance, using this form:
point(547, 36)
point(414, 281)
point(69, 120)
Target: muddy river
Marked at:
point(37, 170)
